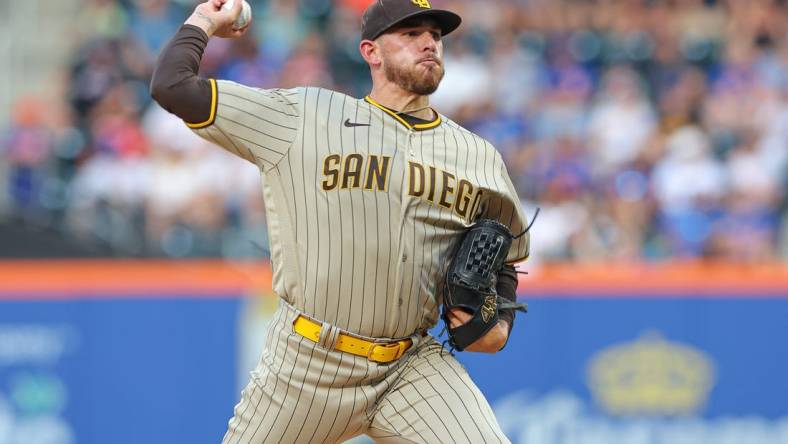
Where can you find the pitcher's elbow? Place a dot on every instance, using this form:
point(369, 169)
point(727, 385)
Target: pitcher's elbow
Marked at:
point(158, 92)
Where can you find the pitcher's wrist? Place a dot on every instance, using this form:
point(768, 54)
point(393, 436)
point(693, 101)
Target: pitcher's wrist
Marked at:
point(202, 21)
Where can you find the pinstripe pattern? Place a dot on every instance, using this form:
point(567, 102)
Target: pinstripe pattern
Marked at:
point(351, 245)
point(361, 218)
point(435, 397)
point(302, 393)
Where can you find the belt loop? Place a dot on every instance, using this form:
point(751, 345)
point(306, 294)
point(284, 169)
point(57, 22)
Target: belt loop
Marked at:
point(332, 339)
point(290, 312)
point(328, 336)
point(417, 338)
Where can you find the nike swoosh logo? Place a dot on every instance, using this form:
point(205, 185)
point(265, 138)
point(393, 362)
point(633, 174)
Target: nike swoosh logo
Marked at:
point(350, 124)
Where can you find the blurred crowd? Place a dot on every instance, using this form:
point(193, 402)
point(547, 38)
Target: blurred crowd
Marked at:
point(643, 129)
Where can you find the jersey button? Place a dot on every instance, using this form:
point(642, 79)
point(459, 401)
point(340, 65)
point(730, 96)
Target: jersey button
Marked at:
point(404, 258)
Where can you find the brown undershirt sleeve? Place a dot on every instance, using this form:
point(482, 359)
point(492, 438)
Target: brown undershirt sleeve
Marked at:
point(506, 287)
point(175, 84)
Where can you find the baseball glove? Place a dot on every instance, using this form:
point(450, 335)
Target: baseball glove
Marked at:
point(471, 280)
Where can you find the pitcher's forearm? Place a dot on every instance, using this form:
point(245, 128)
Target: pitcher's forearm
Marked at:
point(202, 21)
point(175, 84)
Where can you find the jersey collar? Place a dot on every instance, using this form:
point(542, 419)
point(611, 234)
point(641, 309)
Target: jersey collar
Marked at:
point(417, 127)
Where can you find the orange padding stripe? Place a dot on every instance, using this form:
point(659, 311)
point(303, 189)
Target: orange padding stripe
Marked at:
point(206, 276)
point(199, 276)
point(662, 279)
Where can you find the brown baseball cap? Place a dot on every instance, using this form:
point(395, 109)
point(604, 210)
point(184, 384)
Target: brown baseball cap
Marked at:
point(382, 15)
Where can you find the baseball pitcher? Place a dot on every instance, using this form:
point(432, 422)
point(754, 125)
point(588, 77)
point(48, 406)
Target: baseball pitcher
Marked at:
point(383, 216)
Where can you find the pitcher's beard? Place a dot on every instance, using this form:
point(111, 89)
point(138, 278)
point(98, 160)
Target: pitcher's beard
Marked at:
point(411, 80)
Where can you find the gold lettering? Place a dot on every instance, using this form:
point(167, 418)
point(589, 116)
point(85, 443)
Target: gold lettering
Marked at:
point(464, 193)
point(447, 190)
point(352, 171)
point(415, 179)
point(377, 173)
point(431, 185)
point(331, 172)
point(422, 3)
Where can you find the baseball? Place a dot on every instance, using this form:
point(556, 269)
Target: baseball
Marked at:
point(244, 18)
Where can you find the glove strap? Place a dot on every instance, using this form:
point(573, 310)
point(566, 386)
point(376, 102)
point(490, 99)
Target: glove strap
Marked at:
point(466, 334)
point(506, 304)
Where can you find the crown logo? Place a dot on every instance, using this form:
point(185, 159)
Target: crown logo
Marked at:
point(422, 3)
point(651, 376)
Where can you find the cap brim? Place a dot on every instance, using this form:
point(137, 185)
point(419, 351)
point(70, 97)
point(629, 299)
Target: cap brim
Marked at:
point(447, 20)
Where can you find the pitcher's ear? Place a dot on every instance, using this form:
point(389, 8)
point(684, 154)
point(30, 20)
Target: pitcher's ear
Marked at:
point(370, 51)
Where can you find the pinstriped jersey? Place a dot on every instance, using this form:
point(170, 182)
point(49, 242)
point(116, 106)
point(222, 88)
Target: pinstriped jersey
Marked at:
point(363, 208)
